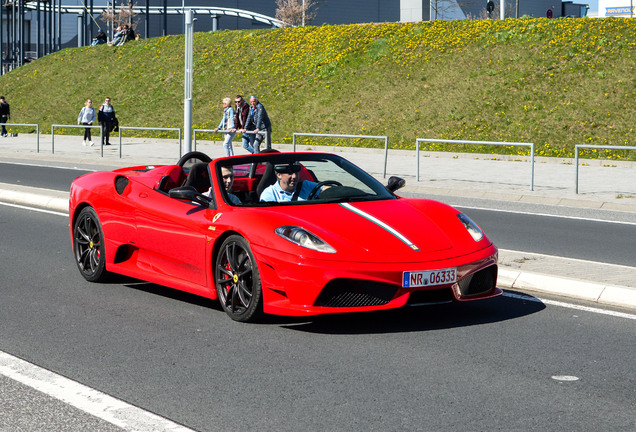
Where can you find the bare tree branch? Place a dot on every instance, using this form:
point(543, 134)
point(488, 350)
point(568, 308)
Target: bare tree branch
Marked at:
point(291, 11)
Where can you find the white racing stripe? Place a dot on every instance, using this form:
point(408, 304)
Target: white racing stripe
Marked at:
point(381, 224)
point(89, 400)
point(570, 306)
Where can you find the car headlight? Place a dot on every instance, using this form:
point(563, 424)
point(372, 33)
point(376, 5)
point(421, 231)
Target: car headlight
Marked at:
point(304, 238)
point(473, 229)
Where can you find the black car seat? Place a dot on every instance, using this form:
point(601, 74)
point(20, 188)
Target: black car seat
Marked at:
point(198, 177)
point(269, 176)
point(268, 179)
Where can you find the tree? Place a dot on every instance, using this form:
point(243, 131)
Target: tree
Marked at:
point(120, 17)
point(296, 12)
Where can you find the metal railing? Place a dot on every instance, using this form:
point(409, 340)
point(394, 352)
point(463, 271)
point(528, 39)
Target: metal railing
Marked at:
point(148, 128)
point(378, 137)
point(37, 131)
point(221, 131)
point(62, 126)
point(497, 143)
point(589, 146)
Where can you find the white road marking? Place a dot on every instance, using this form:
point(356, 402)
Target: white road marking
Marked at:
point(89, 400)
point(565, 378)
point(34, 209)
point(48, 166)
point(543, 214)
point(569, 259)
point(570, 306)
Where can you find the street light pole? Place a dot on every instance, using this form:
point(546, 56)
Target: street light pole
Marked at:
point(187, 100)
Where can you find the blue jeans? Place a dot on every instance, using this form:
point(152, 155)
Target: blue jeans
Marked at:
point(248, 141)
point(227, 144)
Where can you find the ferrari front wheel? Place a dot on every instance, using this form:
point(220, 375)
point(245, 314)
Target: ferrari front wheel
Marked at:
point(88, 245)
point(238, 283)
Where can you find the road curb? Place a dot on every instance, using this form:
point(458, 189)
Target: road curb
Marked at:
point(610, 295)
point(37, 197)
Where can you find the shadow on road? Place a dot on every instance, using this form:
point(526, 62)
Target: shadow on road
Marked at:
point(423, 318)
point(407, 319)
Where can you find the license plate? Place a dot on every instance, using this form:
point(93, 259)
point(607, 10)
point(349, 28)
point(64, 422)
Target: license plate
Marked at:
point(429, 278)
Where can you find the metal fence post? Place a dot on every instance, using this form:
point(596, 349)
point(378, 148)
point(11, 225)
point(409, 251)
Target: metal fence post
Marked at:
point(532, 168)
point(576, 172)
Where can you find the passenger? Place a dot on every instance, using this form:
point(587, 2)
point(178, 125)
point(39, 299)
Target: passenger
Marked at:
point(227, 174)
point(289, 187)
point(228, 181)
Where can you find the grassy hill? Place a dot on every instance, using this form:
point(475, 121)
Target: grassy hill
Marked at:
point(553, 82)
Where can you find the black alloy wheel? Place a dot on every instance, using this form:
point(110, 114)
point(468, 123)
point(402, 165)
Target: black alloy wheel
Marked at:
point(88, 244)
point(238, 282)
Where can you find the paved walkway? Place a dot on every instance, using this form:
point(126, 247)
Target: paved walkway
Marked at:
point(606, 185)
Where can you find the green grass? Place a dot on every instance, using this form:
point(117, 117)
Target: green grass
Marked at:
point(556, 83)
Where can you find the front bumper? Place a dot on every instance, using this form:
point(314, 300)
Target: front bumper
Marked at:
point(297, 286)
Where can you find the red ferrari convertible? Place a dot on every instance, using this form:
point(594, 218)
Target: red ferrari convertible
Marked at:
point(278, 233)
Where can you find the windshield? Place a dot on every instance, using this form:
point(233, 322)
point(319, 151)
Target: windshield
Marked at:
point(294, 179)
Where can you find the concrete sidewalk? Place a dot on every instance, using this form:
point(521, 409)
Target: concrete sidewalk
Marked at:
point(606, 185)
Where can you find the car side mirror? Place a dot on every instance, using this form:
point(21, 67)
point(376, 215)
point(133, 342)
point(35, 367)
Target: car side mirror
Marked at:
point(395, 183)
point(189, 193)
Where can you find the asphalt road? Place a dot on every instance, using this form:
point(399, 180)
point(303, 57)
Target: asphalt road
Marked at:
point(39, 176)
point(475, 366)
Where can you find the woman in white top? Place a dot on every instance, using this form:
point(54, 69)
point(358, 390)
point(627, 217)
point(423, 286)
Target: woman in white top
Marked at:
point(227, 123)
point(87, 117)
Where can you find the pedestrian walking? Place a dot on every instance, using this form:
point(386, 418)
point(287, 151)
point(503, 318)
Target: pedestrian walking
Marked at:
point(87, 117)
point(262, 126)
point(106, 117)
point(5, 114)
point(240, 122)
point(227, 124)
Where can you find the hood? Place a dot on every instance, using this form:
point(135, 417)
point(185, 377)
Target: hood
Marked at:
point(403, 229)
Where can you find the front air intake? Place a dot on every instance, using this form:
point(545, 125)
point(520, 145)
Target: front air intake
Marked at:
point(478, 283)
point(355, 293)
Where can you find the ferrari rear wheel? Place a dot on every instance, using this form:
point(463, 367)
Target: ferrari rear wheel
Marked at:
point(238, 283)
point(88, 244)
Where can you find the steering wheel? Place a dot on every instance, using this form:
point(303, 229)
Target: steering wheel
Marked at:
point(316, 188)
point(193, 155)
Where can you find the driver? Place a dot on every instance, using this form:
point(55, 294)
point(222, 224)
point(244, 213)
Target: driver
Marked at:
point(289, 187)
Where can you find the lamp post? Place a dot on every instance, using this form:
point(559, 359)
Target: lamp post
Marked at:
point(187, 100)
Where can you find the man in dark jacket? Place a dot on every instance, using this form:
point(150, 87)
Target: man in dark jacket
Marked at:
point(262, 126)
point(240, 122)
point(5, 114)
point(106, 117)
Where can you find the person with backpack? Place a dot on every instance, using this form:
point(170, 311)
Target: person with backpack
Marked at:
point(106, 117)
